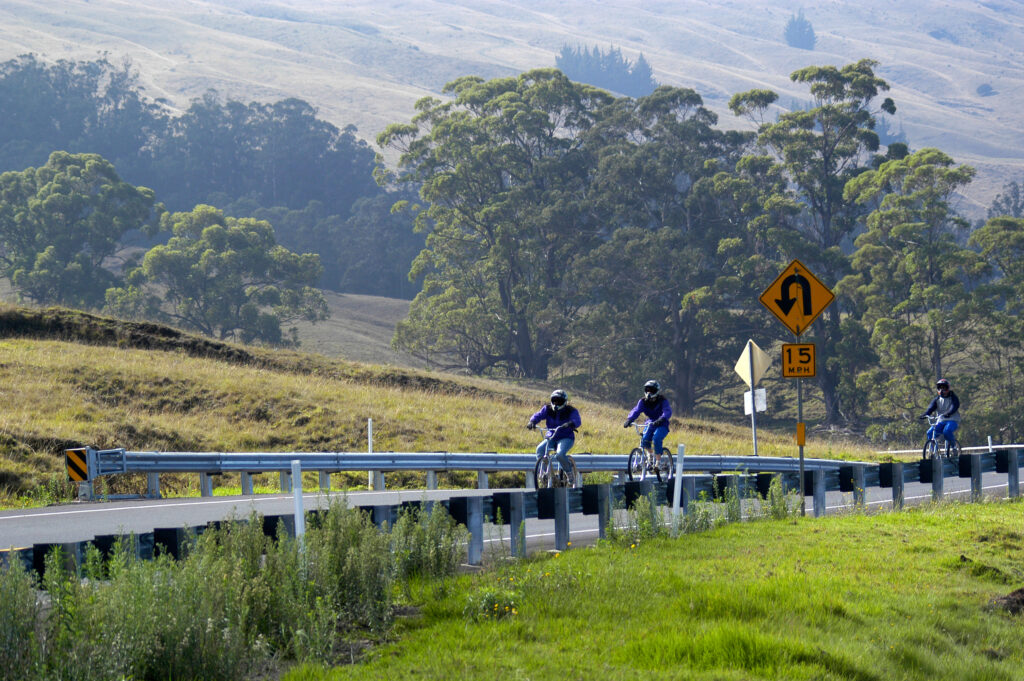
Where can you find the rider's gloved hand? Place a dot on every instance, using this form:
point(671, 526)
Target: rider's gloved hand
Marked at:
point(658, 422)
point(627, 424)
point(922, 417)
point(531, 425)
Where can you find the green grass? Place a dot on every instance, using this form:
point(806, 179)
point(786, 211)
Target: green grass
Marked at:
point(890, 596)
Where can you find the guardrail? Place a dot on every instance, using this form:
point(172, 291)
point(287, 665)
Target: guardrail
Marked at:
point(742, 477)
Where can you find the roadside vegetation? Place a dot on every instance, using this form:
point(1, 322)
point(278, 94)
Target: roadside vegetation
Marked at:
point(929, 593)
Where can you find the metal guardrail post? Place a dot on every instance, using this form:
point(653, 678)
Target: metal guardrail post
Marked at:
point(938, 478)
point(431, 479)
point(1013, 473)
point(689, 492)
point(517, 524)
point(976, 487)
point(561, 519)
point(153, 485)
point(897, 485)
point(205, 485)
point(245, 481)
point(325, 481)
point(475, 525)
point(604, 509)
point(300, 512)
point(286, 481)
point(818, 490)
point(481, 480)
point(859, 491)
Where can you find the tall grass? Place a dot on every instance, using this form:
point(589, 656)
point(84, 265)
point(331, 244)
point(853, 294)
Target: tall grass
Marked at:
point(237, 602)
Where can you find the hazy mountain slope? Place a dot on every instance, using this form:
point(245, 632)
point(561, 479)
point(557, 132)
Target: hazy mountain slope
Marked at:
point(366, 62)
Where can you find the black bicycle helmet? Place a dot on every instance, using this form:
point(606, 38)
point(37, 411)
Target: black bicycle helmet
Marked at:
point(941, 383)
point(651, 390)
point(559, 399)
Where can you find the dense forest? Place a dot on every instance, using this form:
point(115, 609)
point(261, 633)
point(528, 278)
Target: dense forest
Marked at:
point(547, 229)
point(277, 162)
point(598, 241)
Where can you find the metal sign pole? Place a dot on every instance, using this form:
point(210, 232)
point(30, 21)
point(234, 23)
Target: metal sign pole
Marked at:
point(753, 397)
point(800, 441)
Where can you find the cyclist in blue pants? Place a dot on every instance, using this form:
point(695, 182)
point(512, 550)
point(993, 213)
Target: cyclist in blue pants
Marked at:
point(564, 419)
point(656, 408)
point(947, 405)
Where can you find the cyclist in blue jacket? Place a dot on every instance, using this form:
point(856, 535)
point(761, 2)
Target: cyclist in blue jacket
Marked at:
point(562, 418)
point(947, 405)
point(658, 411)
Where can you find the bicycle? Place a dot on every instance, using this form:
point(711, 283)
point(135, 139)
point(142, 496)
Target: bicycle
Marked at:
point(932, 444)
point(643, 462)
point(559, 477)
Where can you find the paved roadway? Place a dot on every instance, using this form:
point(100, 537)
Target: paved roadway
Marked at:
point(82, 521)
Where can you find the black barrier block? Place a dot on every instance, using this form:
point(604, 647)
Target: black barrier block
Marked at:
point(885, 474)
point(19, 555)
point(501, 502)
point(458, 507)
point(39, 553)
point(846, 479)
point(1002, 461)
point(592, 499)
point(546, 503)
point(964, 465)
point(670, 490)
point(764, 483)
point(170, 540)
point(383, 515)
point(635, 489)
point(925, 468)
point(808, 483)
point(574, 498)
point(271, 524)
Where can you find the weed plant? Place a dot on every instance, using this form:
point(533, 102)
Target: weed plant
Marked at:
point(236, 601)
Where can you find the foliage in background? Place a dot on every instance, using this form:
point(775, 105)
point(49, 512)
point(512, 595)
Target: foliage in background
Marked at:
point(608, 70)
point(59, 222)
point(799, 32)
point(224, 277)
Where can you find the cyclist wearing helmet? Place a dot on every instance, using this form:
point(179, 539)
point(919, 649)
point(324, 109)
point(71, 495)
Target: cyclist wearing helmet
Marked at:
point(947, 405)
point(656, 408)
point(562, 418)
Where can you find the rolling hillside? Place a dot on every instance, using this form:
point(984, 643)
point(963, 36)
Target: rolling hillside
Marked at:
point(956, 67)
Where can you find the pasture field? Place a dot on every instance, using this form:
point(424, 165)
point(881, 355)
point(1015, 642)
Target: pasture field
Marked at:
point(70, 379)
point(931, 593)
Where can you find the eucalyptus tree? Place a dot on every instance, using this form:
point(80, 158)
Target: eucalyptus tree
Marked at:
point(224, 277)
point(820, 149)
point(1001, 356)
point(914, 283)
point(504, 173)
point(660, 297)
point(60, 222)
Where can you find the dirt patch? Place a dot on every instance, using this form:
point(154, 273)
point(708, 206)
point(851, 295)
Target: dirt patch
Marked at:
point(1012, 602)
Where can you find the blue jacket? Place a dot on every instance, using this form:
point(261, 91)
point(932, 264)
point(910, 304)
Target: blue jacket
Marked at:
point(659, 409)
point(567, 420)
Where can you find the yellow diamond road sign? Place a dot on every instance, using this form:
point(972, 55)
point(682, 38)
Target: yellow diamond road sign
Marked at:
point(796, 297)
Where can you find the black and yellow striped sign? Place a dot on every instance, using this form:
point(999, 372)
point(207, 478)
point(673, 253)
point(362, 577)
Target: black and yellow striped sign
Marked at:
point(77, 463)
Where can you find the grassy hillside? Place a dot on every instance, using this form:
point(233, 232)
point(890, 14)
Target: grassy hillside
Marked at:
point(955, 67)
point(928, 594)
point(71, 379)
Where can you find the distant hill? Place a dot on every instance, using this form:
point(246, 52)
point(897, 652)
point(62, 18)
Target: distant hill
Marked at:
point(956, 67)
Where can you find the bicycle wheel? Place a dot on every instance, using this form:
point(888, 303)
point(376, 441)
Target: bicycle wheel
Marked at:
point(665, 466)
point(952, 450)
point(542, 473)
point(930, 448)
point(567, 476)
point(637, 468)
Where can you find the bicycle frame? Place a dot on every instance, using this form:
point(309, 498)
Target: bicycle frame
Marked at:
point(643, 462)
point(559, 477)
point(934, 440)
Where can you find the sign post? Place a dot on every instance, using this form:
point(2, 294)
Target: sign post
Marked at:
point(796, 298)
point(751, 366)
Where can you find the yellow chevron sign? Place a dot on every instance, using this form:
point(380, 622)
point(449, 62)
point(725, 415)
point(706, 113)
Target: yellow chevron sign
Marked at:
point(77, 463)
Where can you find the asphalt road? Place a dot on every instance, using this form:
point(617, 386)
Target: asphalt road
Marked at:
point(82, 521)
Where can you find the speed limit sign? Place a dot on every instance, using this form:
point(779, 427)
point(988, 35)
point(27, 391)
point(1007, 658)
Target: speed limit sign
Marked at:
point(798, 360)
